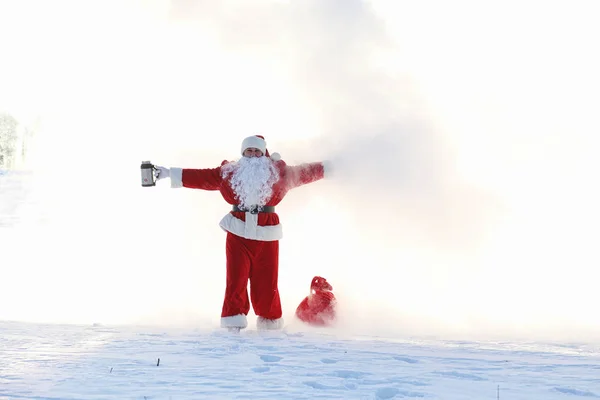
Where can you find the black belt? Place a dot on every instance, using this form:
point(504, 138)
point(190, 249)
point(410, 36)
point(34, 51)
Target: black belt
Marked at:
point(255, 209)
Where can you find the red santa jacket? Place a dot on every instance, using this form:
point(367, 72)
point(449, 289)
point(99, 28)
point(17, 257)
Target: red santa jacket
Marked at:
point(261, 226)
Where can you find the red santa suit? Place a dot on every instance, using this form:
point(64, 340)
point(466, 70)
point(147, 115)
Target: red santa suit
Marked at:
point(252, 243)
point(318, 308)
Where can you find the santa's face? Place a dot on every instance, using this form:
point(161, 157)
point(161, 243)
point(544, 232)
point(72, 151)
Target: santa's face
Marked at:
point(252, 180)
point(253, 152)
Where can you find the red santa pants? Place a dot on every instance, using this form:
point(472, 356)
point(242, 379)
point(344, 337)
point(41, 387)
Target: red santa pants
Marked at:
point(258, 262)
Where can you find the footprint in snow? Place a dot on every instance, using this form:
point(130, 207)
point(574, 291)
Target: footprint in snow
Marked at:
point(328, 361)
point(267, 358)
point(321, 386)
point(386, 393)
point(297, 334)
point(345, 374)
point(267, 348)
point(406, 359)
point(390, 393)
point(460, 375)
point(576, 392)
point(261, 369)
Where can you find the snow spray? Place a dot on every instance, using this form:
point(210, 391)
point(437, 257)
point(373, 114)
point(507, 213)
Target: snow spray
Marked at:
point(148, 174)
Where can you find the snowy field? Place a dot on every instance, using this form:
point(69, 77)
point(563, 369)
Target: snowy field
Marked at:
point(100, 362)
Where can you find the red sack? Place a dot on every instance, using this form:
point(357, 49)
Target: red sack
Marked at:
point(318, 308)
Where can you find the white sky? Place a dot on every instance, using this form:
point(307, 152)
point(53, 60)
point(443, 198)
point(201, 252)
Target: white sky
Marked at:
point(472, 198)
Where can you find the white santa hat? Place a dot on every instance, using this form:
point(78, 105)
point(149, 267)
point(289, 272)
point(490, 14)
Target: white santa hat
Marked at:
point(259, 142)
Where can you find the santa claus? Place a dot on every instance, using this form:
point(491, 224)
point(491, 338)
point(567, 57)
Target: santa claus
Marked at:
point(253, 185)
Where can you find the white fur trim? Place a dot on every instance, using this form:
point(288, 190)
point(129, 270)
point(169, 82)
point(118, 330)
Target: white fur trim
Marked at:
point(269, 324)
point(250, 225)
point(235, 321)
point(275, 156)
point(176, 177)
point(256, 142)
point(249, 230)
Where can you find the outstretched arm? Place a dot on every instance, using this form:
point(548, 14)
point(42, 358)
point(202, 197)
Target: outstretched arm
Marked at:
point(303, 174)
point(206, 179)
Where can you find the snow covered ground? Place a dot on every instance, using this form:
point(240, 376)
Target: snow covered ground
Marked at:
point(39, 361)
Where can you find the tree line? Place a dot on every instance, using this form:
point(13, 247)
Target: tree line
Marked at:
point(13, 141)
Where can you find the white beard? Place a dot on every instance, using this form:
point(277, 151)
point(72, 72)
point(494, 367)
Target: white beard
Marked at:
point(252, 180)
